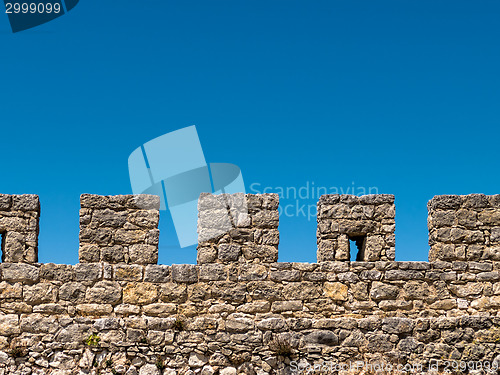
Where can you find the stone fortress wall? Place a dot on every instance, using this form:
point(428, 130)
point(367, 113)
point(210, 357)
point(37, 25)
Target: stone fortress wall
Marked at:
point(239, 310)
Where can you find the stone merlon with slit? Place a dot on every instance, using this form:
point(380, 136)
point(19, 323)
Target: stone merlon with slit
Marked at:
point(368, 220)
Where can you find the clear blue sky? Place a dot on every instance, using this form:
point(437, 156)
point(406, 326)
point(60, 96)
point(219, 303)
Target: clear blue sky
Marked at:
point(400, 95)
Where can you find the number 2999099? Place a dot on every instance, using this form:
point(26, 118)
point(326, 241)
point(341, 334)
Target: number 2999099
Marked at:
point(32, 8)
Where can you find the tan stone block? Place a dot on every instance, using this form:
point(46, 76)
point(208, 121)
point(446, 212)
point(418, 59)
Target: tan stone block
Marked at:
point(342, 248)
point(94, 309)
point(160, 309)
point(40, 293)
point(254, 307)
point(140, 293)
point(336, 291)
point(126, 310)
point(9, 325)
point(8, 291)
point(128, 272)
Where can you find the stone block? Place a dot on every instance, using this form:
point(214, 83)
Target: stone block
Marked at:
point(88, 271)
point(20, 272)
point(143, 254)
point(140, 293)
point(213, 272)
point(127, 272)
point(184, 273)
point(157, 273)
point(106, 292)
point(229, 252)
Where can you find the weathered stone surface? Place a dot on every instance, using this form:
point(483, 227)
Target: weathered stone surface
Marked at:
point(378, 343)
point(228, 371)
point(144, 218)
point(10, 291)
point(104, 292)
point(237, 228)
point(184, 273)
point(40, 293)
point(229, 252)
point(463, 228)
point(143, 254)
point(157, 273)
point(254, 307)
point(213, 272)
point(236, 323)
point(322, 337)
point(285, 275)
point(118, 229)
point(128, 272)
point(284, 306)
point(301, 291)
point(197, 360)
point(172, 292)
point(140, 293)
point(264, 253)
point(336, 291)
point(19, 272)
point(94, 309)
point(58, 272)
point(112, 254)
point(206, 254)
point(73, 291)
point(159, 309)
point(19, 225)
point(271, 324)
point(9, 325)
point(397, 325)
point(380, 291)
point(88, 271)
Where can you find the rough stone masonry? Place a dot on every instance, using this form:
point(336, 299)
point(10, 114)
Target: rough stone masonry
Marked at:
point(239, 310)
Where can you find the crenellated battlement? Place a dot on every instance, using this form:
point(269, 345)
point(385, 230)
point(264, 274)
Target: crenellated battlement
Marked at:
point(244, 228)
point(227, 314)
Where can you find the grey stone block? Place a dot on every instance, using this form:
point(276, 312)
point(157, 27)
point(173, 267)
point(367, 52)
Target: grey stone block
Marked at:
point(20, 272)
point(184, 273)
point(157, 273)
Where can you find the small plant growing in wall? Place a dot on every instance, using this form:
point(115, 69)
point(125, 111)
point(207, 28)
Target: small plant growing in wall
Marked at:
point(179, 324)
point(280, 345)
point(17, 352)
point(160, 364)
point(93, 340)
